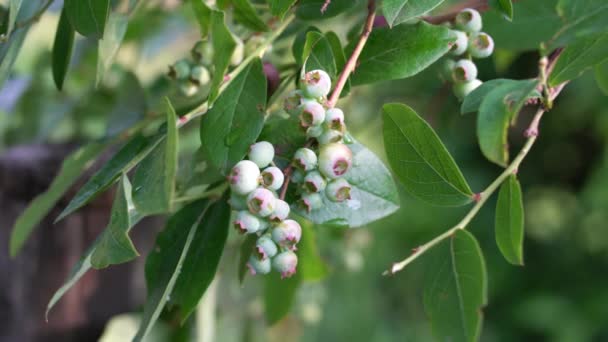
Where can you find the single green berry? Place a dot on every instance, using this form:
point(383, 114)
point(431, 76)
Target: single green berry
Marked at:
point(202, 52)
point(338, 190)
point(281, 211)
point(305, 159)
point(287, 234)
point(310, 201)
point(316, 84)
point(468, 20)
point(314, 131)
point(464, 71)
point(261, 202)
point(335, 160)
point(199, 75)
point(188, 88)
point(481, 45)
point(246, 223)
point(334, 119)
point(312, 114)
point(272, 178)
point(461, 43)
point(293, 102)
point(237, 202)
point(244, 177)
point(330, 136)
point(285, 263)
point(314, 182)
point(297, 176)
point(261, 153)
point(461, 90)
point(265, 247)
point(258, 266)
point(180, 70)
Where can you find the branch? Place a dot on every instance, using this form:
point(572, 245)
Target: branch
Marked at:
point(351, 64)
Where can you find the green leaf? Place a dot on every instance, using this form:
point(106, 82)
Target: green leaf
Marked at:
point(114, 246)
point(127, 157)
point(505, 7)
point(223, 46)
point(285, 135)
point(279, 295)
point(456, 290)
point(108, 46)
point(398, 11)
point(374, 194)
point(279, 8)
point(88, 17)
point(165, 262)
point(419, 159)
point(400, 52)
point(236, 119)
point(311, 9)
point(62, 49)
point(576, 58)
point(203, 16)
point(580, 18)
point(510, 221)
point(311, 266)
point(13, 11)
point(71, 169)
point(472, 101)
point(154, 179)
point(339, 57)
point(297, 48)
point(495, 112)
point(200, 265)
point(246, 15)
point(601, 76)
point(247, 248)
point(318, 54)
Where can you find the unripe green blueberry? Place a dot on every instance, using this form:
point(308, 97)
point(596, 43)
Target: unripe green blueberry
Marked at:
point(461, 90)
point(285, 263)
point(481, 45)
point(237, 202)
point(338, 190)
point(202, 52)
point(330, 136)
point(312, 114)
point(468, 20)
point(287, 234)
point(187, 88)
point(258, 266)
point(464, 71)
point(199, 75)
point(180, 70)
point(261, 153)
point(310, 201)
point(261, 202)
point(246, 223)
point(281, 211)
point(446, 69)
point(334, 119)
point(297, 176)
point(238, 53)
point(316, 84)
point(293, 102)
point(314, 182)
point(305, 159)
point(244, 177)
point(273, 178)
point(265, 247)
point(314, 131)
point(335, 160)
point(461, 43)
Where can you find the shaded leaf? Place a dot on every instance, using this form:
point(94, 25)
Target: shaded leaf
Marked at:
point(279, 295)
point(510, 221)
point(505, 7)
point(108, 46)
point(223, 46)
point(203, 15)
point(580, 18)
point(398, 11)
point(285, 135)
point(339, 58)
point(88, 17)
point(311, 266)
point(247, 248)
point(246, 15)
point(279, 8)
point(311, 9)
point(62, 49)
point(472, 101)
point(318, 54)
point(576, 58)
point(13, 11)
point(297, 48)
point(601, 76)
point(420, 160)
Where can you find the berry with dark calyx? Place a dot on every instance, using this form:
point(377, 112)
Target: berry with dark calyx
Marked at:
point(314, 182)
point(244, 177)
point(259, 266)
point(261, 202)
point(312, 114)
point(281, 211)
point(287, 234)
point(338, 190)
point(481, 45)
point(293, 102)
point(461, 90)
point(180, 70)
point(335, 160)
point(273, 178)
point(461, 43)
point(285, 263)
point(314, 131)
point(297, 176)
point(468, 20)
point(237, 202)
point(310, 201)
point(330, 136)
point(316, 84)
point(199, 75)
point(464, 71)
point(246, 223)
point(305, 159)
point(265, 247)
point(334, 119)
point(261, 153)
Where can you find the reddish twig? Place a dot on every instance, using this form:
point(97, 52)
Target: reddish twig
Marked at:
point(325, 5)
point(287, 172)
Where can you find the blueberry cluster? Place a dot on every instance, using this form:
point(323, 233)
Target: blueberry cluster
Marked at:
point(320, 170)
point(261, 212)
point(470, 43)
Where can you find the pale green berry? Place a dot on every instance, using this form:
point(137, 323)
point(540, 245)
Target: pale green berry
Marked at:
point(237, 202)
point(281, 211)
point(187, 88)
point(238, 54)
point(285, 263)
point(446, 69)
point(305, 159)
point(297, 176)
point(338, 190)
point(287, 234)
point(334, 119)
point(316, 84)
point(199, 75)
point(261, 153)
point(461, 90)
point(330, 136)
point(481, 45)
point(244, 177)
point(258, 266)
point(265, 247)
point(312, 114)
point(461, 43)
point(246, 223)
point(180, 70)
point(202, 52)
point(273, 178)
point(335, 160)
point(261, 202)
point(310, 201)
point(464, 71)
point(468, 20)
point(314, 182)
point(314, 131)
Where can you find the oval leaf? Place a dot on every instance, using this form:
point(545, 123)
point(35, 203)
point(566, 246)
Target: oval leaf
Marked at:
point(245, 14)
point(223, 46)
point(279, 295)
point(576, 58)
point(419, 159)
point(278, 8)
point(88, 17)
point(398, 11)
point(62, 49)
point(510, 221)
